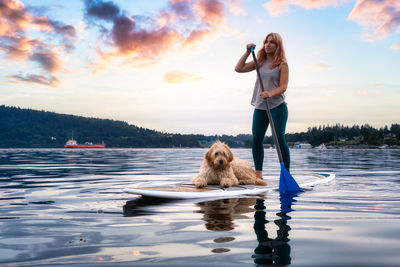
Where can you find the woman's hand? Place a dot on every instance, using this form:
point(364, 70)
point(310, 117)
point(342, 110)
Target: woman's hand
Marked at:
point(265, 95)
point(248, 47)
point(242, 66)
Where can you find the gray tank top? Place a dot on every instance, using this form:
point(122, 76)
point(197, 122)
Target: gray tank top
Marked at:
point(271, 80)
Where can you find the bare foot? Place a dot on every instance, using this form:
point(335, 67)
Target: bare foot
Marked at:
point(259, 174)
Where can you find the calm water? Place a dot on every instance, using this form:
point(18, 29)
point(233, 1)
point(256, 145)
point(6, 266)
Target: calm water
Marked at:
point(67, 207)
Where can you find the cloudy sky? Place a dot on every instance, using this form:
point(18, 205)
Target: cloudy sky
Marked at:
point(169, 65)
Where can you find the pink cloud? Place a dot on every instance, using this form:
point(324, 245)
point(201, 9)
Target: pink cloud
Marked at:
point(129, 39)
point(279, 7)
point(321, 66)
point(16, 24)
point(46, 24)
point(196, 36)
point(395, 47)
point(180, 23)
point(48, 60)
point(48, 80)
point(211, 11)
point(13, 17)
point(179, 77)
point(235, 7)
point(379, 18)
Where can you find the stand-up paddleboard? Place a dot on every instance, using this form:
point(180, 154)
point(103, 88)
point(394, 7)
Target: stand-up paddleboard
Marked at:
point(189, 191)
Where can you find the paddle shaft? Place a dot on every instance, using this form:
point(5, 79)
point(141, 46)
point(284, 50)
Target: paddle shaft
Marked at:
point(278, 149)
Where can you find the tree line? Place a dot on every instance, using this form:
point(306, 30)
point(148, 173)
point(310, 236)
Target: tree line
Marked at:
point(27, 128)
point(340, 135)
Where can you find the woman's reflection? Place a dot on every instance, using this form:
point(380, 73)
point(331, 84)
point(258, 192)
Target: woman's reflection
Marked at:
point(273, 251)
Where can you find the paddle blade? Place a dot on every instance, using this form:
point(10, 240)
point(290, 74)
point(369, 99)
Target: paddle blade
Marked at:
point(286, 182)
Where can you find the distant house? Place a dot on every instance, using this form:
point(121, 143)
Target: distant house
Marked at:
point(389, 136)
point(358, 139)
point(302, 146)
point(205, 143)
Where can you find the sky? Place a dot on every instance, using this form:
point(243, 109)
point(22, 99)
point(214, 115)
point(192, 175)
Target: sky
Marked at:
point(169, 65)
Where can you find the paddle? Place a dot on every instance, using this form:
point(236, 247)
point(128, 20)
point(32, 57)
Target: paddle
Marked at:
point(286, 181)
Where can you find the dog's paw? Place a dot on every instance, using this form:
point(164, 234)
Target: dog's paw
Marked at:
point(228, 182)
point(199, 182)
point(260, 182)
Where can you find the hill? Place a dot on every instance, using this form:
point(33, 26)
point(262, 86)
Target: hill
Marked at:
point(27, 128)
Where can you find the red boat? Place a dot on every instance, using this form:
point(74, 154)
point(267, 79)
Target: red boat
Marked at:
point(73, 144)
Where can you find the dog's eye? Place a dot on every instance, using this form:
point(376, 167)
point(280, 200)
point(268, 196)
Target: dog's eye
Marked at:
point(216, 153)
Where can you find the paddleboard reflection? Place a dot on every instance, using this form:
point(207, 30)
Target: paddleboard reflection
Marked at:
point(142, 206)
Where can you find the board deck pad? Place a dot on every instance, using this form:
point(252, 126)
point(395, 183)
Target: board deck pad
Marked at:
point(190, 191)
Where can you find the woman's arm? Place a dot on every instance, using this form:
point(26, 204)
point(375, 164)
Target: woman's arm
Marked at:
point(284, 80)
point(242, 66)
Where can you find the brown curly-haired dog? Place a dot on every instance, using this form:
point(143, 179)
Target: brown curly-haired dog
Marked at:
point(220, 167)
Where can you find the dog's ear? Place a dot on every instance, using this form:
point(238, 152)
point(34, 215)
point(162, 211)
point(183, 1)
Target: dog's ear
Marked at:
point(207, 156)
point(230, 154)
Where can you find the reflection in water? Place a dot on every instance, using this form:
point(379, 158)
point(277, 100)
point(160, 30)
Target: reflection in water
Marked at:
point(220, 214)
point(141, 206)
point(53, 200)
point(273, 251)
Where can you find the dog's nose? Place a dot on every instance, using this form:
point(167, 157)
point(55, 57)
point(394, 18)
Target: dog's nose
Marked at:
point(221, 162)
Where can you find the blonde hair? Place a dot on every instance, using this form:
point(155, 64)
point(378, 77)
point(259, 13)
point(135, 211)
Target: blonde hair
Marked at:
point(279, 55)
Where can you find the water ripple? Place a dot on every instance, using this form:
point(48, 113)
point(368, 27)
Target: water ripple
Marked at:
point(61, 206)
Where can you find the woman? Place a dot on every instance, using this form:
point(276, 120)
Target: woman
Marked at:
point(274, 71)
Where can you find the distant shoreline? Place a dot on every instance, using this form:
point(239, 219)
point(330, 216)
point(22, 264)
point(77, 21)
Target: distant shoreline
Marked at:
point(27, 128)
point(199, 148)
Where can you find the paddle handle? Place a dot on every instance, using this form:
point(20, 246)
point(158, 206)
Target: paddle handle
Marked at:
point(278, 149)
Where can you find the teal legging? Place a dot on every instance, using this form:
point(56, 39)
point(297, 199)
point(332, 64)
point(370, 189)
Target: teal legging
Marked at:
point(260, 125)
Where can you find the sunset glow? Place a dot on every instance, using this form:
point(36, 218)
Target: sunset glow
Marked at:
point(169, 65)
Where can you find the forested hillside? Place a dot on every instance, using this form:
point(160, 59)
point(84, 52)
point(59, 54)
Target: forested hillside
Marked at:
point(26, 128)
